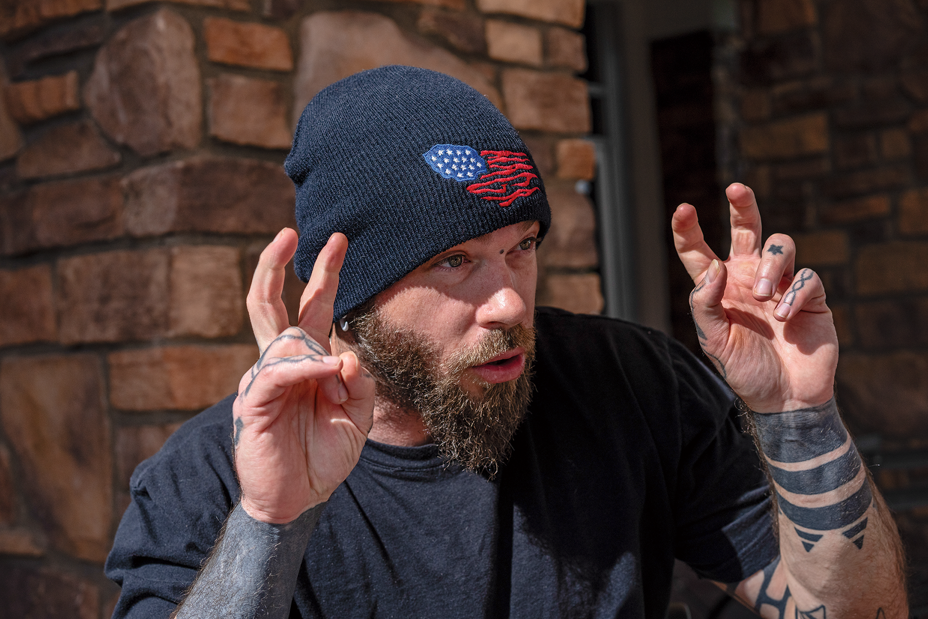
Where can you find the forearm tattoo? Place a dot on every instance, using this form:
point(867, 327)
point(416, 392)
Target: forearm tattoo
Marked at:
point(809, 453)
point(252, 569)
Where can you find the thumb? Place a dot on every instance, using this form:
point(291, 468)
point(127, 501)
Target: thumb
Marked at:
point(712, 324)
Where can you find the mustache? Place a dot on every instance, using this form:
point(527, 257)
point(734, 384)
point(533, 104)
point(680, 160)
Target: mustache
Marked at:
point(493, 344)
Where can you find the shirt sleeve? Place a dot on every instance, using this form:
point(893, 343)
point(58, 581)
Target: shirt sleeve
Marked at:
point(179, 500)
point(722, 508)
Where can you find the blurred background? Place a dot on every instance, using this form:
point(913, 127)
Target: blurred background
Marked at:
point(141, 146)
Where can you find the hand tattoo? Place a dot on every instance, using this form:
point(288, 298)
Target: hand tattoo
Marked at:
point(775, 250)
point(315, 353)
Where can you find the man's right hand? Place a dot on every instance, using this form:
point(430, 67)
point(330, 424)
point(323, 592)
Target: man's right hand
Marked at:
point(302, 415)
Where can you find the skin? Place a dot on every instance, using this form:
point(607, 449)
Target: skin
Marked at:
point(306, 408)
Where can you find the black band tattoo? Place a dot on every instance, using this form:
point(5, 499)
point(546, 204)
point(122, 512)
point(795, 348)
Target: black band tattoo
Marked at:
point(829, 517)
point(763, 596)
point(800, 435)
point(239, 426)
point(775, 250)
point(825, 478)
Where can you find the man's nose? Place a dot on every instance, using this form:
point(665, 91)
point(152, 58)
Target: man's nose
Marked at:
point(504, 307)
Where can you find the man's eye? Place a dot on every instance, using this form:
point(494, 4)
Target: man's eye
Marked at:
point(454, 261)
point(527, 243)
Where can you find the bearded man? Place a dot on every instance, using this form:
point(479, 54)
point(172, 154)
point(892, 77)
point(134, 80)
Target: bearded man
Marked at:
point(427, 443)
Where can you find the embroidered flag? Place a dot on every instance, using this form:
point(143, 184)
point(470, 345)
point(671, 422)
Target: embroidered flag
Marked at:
point(504, 176)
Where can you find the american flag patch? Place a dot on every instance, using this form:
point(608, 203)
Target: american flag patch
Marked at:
point(504, 175)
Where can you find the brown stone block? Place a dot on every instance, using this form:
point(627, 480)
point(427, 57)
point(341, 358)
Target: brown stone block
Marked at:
point(335, 45)
point(920, 155)
point(813, 94)
point(66, 149)
point(580, 293)
point(247, 44)
point(113, 296)
point(177, 377)
point(913, 212)
point(55, 43)
point(75, 212)
point(802, 169)
point(915, 84)
point(52, 411)
point(17, 230)
point(26, 306)
point(135, 444)
point(19, 18)
point(231, 5)
point(576, 159)
point(827, 248)
point(566, 48)
point(571, 242)
point(775, 16)
point(859, 209)
point(546, 101)
point(21, 542)
point(43, 98)
point(843, 324)
point(206, 291)
point(46, 594)
point(225, 195)
point(567, 12)
point(866, 181)
point(895, 144)
point(281, 10)
point(870, 113)
point(769, 60)
point(457, 5)
point(462, 30)
point(7, 491)
point(887, 393)
point(758, 178)
point(755, 105)
point(918, 122)
point(900, 323)
point(145, 88)
point(11, 138)
point(854, 151)
point(892, 267)
point(783, 139)
point(868, 34)
point(509, 42)
point(248, 111)
point(542, 153)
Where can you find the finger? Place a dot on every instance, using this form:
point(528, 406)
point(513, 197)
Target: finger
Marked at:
point(712, 324)
point(359, 386)
point(775, 270)
point(266, 308)
point(318, 299)
point(745, 220)
point(689, 242)
point(269, 378)
point(806, 294)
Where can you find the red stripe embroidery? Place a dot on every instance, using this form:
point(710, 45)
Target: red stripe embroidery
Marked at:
point(508, 178)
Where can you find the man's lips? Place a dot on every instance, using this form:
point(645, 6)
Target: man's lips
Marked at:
point(502, 368)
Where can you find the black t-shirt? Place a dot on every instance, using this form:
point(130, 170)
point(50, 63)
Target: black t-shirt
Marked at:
point(629, 456)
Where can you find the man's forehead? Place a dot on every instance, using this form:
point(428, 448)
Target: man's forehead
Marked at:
point(520, 227)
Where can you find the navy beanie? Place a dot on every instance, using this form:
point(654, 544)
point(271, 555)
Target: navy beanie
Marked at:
point(406, 163)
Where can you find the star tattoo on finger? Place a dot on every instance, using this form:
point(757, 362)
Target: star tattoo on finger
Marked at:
point(775, 250)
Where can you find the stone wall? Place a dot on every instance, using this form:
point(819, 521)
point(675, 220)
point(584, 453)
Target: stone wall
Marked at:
point(832, 128)
point(140, 176)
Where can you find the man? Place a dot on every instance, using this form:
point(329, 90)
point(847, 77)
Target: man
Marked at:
point(447, 450)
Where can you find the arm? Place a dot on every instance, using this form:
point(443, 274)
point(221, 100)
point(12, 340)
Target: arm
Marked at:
point(770, 333)
point(300, 420)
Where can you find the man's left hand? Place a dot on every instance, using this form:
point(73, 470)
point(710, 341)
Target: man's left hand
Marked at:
point(765, 326)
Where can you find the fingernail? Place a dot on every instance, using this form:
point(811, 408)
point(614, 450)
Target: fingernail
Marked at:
point(714, 270)
point(331, 360)
point(342, 392)
point(764, 288)
point(782, 310)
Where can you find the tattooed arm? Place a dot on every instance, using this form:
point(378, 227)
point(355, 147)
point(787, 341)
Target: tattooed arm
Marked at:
point(301, 418)
point(770, 333)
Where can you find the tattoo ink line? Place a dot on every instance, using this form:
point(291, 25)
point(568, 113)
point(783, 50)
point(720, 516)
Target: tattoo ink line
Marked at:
point(775, 250)
point(804, 276)
point(702, 335)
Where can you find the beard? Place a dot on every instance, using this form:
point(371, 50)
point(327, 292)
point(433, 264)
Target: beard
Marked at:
point(473, 430)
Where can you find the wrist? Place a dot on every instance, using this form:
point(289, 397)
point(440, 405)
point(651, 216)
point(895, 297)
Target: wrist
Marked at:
point(260, 513)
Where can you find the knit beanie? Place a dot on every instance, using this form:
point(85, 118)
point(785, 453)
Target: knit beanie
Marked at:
point(406, 163)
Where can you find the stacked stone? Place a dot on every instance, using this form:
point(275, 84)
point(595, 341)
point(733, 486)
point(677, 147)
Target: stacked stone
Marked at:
point(834, 138)
point(141, 146)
